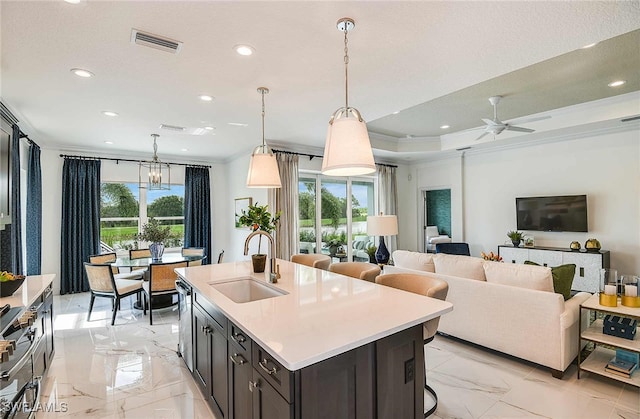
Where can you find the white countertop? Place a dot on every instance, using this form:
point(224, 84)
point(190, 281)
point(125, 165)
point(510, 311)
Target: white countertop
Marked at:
point(324, 314)
point(31, 288)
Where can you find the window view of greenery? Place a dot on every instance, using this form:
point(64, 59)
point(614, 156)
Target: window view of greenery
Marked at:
point(120, 212)
point(333, 213)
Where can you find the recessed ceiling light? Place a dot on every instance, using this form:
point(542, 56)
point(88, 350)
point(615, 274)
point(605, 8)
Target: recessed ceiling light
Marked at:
point(73, 1)
point(244, 49)
point(238, 124)
point(616, 83)
point(206, 98)
point(209, 128)
point(109, 113)
point(108, 142)
point(590, 45)
point(82, 73)
point(444, 126)
point(395, 113)
point(184, 149)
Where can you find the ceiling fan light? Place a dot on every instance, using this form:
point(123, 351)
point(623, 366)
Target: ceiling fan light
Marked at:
point(263, 169)
point(347, 151)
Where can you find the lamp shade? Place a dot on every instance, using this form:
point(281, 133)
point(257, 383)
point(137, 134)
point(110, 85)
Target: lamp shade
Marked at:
point(382, 225)
point(347, 151)
point(263, 171)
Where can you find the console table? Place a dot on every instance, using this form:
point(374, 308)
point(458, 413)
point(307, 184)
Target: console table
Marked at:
point(588, 264)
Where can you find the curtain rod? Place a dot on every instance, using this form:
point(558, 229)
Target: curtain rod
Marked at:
point(311, 156)
point(67, 156)
point(23, 135)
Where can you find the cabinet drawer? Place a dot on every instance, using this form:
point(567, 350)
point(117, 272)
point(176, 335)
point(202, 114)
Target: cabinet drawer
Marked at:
point(239, 338)
point(278, 376)
point(212, 310)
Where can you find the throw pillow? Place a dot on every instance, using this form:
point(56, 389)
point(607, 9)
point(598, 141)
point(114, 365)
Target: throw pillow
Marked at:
point(562, 278)
point(517, 275)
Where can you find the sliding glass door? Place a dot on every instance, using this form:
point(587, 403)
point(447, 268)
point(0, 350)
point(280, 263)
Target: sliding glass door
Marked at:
point(333, 221)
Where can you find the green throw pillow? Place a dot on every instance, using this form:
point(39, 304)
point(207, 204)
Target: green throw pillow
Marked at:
point(562, 278)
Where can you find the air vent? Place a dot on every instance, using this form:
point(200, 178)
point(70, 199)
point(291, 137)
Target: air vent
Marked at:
point(154, 41)
point(172, 128)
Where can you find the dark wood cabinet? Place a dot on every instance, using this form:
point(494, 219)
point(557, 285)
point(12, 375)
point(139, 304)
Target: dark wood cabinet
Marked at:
point(340, 387)
point(267, 402)
point(210, 359)
point(241, 380)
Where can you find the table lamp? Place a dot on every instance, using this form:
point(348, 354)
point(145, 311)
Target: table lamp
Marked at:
point(382, 225)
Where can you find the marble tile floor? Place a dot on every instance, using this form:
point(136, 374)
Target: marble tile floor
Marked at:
point(131, 370)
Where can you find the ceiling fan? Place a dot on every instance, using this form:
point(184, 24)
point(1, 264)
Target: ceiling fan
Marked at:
point(495, 126)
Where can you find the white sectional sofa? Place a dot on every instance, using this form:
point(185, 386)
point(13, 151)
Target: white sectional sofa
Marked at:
point(506, 307)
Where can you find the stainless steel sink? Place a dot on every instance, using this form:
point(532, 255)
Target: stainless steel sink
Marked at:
point(244, 290)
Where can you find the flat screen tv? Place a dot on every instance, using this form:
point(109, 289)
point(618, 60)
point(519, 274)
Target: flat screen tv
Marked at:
point(552, 213)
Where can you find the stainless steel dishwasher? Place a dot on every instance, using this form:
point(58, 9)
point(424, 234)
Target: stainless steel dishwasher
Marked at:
point(185, 334)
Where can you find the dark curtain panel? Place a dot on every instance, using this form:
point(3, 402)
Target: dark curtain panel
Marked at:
point(197, 209)
point(80, 221)
point(16, 221)
point(34, 211)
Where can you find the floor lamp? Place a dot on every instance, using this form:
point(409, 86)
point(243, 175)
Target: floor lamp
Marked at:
point(382, 225)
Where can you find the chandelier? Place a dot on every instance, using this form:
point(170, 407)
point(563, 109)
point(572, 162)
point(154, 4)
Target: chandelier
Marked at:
point(154, 175)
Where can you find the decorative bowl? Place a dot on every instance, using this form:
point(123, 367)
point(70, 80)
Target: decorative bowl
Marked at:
point(7, 288)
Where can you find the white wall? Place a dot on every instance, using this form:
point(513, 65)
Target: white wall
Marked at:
point(484, 186)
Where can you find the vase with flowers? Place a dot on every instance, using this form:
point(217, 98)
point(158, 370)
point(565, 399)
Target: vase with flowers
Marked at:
point(156, 235)
point(258, 217)
point(491, 256)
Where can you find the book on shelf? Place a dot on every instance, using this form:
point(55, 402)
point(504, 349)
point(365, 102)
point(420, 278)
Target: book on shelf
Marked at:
point(618, 373)
point(621, 366)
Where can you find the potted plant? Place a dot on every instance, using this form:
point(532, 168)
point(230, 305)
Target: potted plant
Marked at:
point(258, 217)
point(156, 235)
point(516, 237)
point(371, 251)
point(333, 245)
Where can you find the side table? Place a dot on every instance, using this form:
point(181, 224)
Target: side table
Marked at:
point(598, 359)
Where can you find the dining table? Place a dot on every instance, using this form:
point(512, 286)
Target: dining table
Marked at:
point(157, 301)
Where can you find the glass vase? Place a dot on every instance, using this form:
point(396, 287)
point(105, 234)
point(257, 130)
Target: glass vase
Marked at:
point(629, 295)
point(608, 295)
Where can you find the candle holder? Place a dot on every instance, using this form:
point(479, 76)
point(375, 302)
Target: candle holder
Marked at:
point(630, 297)
point(608, 287)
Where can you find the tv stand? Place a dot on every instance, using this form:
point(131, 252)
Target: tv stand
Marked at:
point(588, 264)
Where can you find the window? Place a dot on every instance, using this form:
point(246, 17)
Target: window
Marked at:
point(334, 222)
point(122, 214)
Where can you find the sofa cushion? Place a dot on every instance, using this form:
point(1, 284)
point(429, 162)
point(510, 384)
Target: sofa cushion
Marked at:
point(562, 278)
point(516, 275)
point(462, 266)
point(414, 260)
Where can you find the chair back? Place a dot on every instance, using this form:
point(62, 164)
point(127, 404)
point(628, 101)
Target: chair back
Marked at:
point(162, 276)
point(419, 284)
point(193, 251)
point(453, 248)
point(220, 256)
point(361, 270)
point(100, 277)
point(139, 253)
point(315, 260)
point(103, 259)
point(196, 262)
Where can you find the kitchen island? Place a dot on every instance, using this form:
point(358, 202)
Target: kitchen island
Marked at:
point(316, 344)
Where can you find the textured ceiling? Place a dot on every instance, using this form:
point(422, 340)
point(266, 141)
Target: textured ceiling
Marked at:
point(403, 54)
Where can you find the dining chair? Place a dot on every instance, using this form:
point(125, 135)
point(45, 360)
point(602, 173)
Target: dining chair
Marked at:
point(108, 258)
point(162, 281)
point(220, 256)
point(453, 248)
point(315, 260)
point(102, 283)
point(430, 287)
point(193, 251)
point(139, 253)
point(361, 270)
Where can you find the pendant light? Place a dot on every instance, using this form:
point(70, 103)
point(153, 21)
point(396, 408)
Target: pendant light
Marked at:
point(263, 167)
point(347, 151)
point(154, 175)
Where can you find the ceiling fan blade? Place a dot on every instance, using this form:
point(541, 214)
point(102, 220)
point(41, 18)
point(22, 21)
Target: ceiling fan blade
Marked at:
point(519, 121)
point(482, 135)
point(519, 129)
point(489, 121)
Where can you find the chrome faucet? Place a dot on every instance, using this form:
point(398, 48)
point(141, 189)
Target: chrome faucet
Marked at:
point(274, 273)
